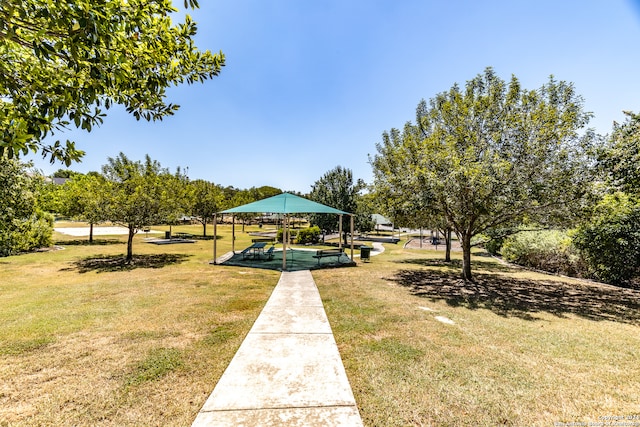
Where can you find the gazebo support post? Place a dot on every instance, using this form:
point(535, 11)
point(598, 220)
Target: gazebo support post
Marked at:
point(284, 243)
point(233, 234)
point(351, 237)
point(340, 231)
point(215, 237)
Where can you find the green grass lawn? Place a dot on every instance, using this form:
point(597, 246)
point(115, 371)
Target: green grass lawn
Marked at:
point(87, 340)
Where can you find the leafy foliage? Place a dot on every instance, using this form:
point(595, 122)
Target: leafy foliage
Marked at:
point(398, 190)
point(621, 158)
point(242, 197)
point(23, 225)
point(207, 199)
point(62, 63)
point(548, 250)
point(493, 239)
point(143, 194)
point(308, 235)
point(337, 189)
point(610, 241)
point(64, 173)
point(491, 155)
point(280, 234)
point(86, 198)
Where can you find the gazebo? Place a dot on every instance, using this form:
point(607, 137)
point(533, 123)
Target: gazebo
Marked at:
point(285, 204)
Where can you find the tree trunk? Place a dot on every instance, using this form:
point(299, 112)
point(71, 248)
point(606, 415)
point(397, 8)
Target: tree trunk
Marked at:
point(466, 255)
point(447, 239)
point(90, 233)
point(204, 228)
point(132, 232)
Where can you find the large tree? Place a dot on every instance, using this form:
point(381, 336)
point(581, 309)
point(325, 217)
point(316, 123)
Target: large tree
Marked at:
point(492, 154)
point(143, 194)
point(609, 240)
point(62, 63)
point(207, 198)
point(86, 198)
point(337, 189)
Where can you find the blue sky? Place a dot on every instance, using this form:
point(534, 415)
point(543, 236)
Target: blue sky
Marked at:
point(310, 85)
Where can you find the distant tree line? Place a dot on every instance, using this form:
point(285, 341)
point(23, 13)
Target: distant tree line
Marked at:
point(134, 194)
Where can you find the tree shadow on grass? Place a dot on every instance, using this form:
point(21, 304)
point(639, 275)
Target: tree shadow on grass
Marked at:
point(456, 264)
point(522, 298)
point(207, 237)
point(85, 242)
point(110, 263)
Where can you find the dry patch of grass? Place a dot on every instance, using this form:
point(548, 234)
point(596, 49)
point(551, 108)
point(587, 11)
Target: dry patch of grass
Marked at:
point(522, 348)
point(88, 341)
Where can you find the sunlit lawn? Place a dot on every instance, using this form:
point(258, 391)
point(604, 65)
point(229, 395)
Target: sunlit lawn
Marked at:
point(523, 349)
point(86, 340)
point(140, 345)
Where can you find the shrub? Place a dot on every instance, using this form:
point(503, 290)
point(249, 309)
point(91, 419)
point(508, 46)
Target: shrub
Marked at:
point(494, 246)
point(548, 250)
point(26, 235)
point(292, 234)
point(36, 232)
point(23, 226)
point(610, 242)
point(492, 240)
point(309, 235)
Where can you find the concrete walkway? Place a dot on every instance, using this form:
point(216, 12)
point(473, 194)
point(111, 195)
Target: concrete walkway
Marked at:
point(287, 371)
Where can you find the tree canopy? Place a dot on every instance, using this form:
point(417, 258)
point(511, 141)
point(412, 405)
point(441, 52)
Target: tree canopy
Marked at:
point(207, 198)
point(609, 239)
point(621, 158)
point(63, 63)
point(337, 189)
point(491, 154)
point(85, 198)
point(142, 194)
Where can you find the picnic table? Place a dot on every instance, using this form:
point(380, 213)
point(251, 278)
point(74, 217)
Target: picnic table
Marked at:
point(254, 251)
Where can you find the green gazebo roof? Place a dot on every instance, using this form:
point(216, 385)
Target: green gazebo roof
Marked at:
point(285, 203)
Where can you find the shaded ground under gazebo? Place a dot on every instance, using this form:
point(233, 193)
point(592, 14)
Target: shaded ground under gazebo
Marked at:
point(297, 259)
point(287, 259)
